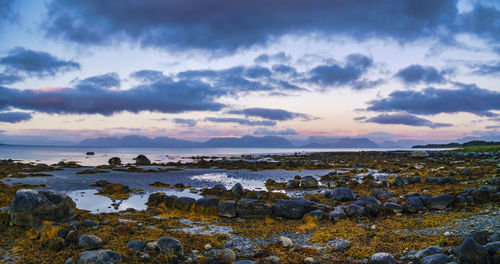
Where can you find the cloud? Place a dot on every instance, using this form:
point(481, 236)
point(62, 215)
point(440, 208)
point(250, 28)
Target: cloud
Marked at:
point(14, 117)
point(335, 74)
point(431, 101)
point(284, 69)
point(241, 121)
point(35, 63)
point(279, 57)
point(359, 118)
point(227, 26)
point(8, 12)
point(488, 69)
point(270, 114)
point(94, 96)
point(186, 122)
point(147, 75)
point(267, 132)
point(415, 74)
point(405, 119)
point(6, 78)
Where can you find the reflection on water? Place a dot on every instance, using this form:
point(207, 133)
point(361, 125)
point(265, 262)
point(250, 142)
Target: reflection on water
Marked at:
point(227, 181)
point(89, 200)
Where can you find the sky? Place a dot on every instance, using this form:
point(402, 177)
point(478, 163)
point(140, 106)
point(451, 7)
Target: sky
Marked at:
point(196, 69)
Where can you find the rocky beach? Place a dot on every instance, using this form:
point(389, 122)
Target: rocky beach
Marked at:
point(330, 207)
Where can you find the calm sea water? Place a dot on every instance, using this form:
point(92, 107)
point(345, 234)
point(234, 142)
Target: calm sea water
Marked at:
point(50, 154)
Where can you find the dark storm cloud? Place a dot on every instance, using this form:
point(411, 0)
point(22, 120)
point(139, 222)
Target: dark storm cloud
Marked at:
point(147, 75)
point(268, 132)
point(14, 117)
point(184, 121)
point(6, 78)
point(35, 63)
point(415, 74)
point(335, 74)
point(492, 68)
point(94, 96)
point(221, 25)
point(241, 121)
point(271, 114)
point(431, 101)
point(405, 119)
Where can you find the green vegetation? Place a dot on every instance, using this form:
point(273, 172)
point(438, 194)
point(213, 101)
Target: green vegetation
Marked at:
point(494, 148)
point(475, 143)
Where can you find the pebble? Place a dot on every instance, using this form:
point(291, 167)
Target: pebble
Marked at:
point(208, 247)
point(308, 260)
point(286, 242)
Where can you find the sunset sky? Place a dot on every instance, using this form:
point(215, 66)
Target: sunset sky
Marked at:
point(411, 69)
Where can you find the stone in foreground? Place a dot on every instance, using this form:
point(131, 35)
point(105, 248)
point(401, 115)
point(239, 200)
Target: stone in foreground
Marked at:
point(170, 246)
point(382, 258)
point(293, 209)
point(103, 256)
point(31, 207)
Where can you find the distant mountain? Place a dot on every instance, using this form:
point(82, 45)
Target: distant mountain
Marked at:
point(166, 142)
point(344, 143)
point(138, 142)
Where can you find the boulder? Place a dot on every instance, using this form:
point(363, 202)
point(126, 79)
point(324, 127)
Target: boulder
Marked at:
point(292, 184)
point(155, 199)
point(342, 195)
point(392, 207)
point(292, 209)
point(382, 193)
point(308, 182)
point(90, 153)
point(249, 208)
point(435, 259)
point(316, 214)
point(142, 160)
point(414, 180)
point(207, 202)
point(237, 190)
point(337, 213)
point(439, 202)
point(382, 258)
point(427, 252)
point(493, 249)
point(170, 246)
point(31, 207)
point(413, 205)
point(370, 203)
point(481, 237)
point(225, 253)
point(227, 209)
point(219, 188)
point(447, 180)
point(471, 252)
point(115, 161)
point(103, 256)
point(399, 181)
point(272, 260)
point(137, 245)
point(186, 201)
point(89, 242)
point(353, 210)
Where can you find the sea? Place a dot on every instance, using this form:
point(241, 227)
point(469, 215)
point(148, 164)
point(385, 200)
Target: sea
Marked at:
point(78, 186)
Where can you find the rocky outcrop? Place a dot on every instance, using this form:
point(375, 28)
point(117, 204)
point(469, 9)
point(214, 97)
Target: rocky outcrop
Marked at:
point(292, 209)
point(249, 208)
point(142, 160)
point(115, 161)
point(31, 207)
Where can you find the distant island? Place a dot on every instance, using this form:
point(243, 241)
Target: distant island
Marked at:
point(229, 142)
point(474, 143)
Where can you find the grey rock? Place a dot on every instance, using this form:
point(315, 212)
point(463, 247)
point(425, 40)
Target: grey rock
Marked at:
point(399, 181)
point(370, 203)
point(115, 161)
point(382, 258)
point(272, 260)
point(245, 262)
point(481, 237)
point(427, 252)
point(227, 209)
point(186, 201)
point(207, 202)
point(219, 187)
point(249, 208)
point(292, 209)
point(392, 207)
point(342, 195)
point(414, 180)
point(90, 224)
point(308, 182)
point(435, 259)
point(237, 190)
point(439, 202)
point(170, 246)
point(471, 252)
point(353, 210)
point(413, 205)
point(31, 207)
point(142, 160)
point(103, 256)
point(292, 184)
point(337, 214)
point(137, 245)
point(382, 193)
point(226, 253)
point(89, 242)
point(316, 214)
